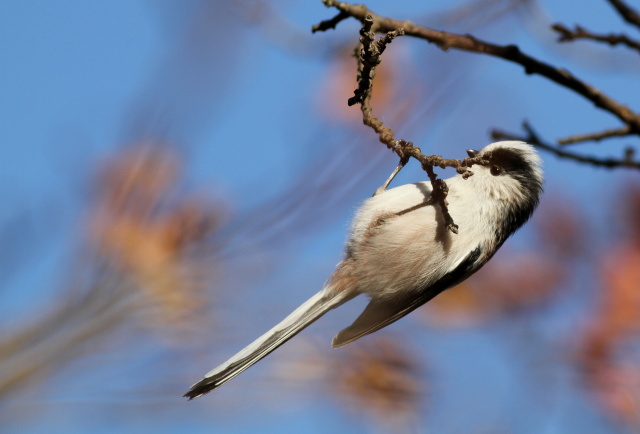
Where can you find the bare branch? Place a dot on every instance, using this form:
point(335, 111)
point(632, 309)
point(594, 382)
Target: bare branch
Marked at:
point(329, 24)
point(626, 12)
point(601, 135)
point(579, 32)
point(511, 53)
point(369, 58)
point(533, 138)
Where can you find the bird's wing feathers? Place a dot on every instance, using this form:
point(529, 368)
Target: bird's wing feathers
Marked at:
point(382, 312)
point(377, 314)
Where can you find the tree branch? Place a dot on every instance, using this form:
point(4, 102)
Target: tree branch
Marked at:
point(329, 24)
point(370, 52)
point(512, 53)
point(579, 32)
point(626, 12)
point(601, 135)
point(533, 138)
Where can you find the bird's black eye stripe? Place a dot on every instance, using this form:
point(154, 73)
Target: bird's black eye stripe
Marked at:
point(508, 160)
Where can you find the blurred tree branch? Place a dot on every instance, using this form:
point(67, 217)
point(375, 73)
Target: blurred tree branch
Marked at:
point(600, 135)
point(29, 355)
point(579, 32)
point(626, 12)
point(532, 137)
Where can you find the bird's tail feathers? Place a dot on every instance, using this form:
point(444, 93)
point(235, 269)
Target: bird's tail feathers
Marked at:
point(293, 324)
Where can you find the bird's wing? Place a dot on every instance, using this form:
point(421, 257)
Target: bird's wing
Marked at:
point(382, 312)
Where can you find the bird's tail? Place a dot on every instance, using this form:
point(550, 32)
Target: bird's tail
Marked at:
point(297, 321)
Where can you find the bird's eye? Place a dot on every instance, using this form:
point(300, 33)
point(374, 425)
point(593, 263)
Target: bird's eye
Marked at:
point(496, 170)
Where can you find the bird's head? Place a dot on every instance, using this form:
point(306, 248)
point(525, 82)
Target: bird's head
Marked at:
point(512, 176)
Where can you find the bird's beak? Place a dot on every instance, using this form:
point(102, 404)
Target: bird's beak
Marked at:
point(472, 153)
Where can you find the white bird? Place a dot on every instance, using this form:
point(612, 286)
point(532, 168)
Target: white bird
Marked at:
point(401, 255)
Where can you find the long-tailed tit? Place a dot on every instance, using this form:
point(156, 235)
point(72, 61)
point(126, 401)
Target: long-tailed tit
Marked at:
point(401, 255)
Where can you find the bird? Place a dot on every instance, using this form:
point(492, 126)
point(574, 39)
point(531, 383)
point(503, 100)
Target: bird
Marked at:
point(401, 254)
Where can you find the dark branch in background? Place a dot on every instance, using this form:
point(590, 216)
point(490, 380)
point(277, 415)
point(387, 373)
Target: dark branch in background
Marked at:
point(579, 32)
point(368, 58)
point(329, 24)
point(596, 137)
point(626, 12)
point(533, 138)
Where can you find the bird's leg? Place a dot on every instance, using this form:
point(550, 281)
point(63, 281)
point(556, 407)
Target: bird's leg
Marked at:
point(397, 170)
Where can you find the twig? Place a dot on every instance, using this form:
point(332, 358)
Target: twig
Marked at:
point(512, 53)
point(329, 24)
point(533, 138)
point(578, 138)
point(579, 32)
point(369, 58)
point(626, 12)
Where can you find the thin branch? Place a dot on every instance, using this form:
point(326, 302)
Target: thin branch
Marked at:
point(533, 138)
point(579, 32)
point(626, 12)
point(596, 137)
point(329, 24)
point(369, 58)
point(511, 53)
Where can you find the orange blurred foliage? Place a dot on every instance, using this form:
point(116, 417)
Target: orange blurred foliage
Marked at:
point(615, 324)
point(381, 377)
point(142, 227)
point(525, 282)
point(340, 82)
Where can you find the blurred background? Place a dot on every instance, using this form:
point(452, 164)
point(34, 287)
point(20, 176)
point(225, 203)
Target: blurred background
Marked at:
point(176, 177)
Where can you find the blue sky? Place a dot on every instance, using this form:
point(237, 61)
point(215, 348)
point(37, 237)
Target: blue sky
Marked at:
point(79, 80)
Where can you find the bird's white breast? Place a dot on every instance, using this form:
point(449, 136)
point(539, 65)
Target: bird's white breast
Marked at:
point(413, 246)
